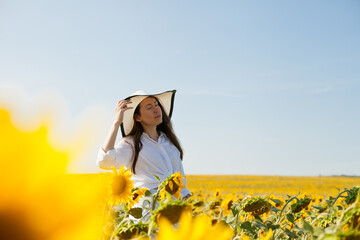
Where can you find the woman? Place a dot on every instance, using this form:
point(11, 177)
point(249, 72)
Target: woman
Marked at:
point(149, 146)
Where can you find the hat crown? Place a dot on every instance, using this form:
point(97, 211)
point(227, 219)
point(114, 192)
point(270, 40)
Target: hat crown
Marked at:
point(140, 93)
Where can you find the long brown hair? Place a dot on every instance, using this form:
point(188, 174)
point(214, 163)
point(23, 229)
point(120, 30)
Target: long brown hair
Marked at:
point(165, 127)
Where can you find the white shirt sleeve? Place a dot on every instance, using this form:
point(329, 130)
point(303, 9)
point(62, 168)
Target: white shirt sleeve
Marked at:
point(120, 155)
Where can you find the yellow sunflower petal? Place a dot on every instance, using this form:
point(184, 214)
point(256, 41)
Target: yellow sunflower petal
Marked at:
point(171, 185)
point(178, 194)
point(268, 235)
point(201, 228)
point(166, 230)
point(114, 170)
point(162, 194)
point(185, 225)
point(181, 184)
point(122, 169)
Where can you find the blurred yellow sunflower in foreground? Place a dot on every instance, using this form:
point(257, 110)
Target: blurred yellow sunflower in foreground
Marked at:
point(121, 186)
point(38, 200)
point(172, 185)
point(193, 229)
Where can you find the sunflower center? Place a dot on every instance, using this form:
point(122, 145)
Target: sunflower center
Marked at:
point(230, 203)
point(172, 213)
point(118, 185)
point(172, 187)
point(135, 196)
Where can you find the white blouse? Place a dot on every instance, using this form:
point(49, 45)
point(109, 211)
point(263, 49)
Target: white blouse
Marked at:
point(159, 158)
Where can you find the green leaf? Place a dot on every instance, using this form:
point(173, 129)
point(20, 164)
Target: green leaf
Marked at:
point(318, 208)
point(259, 219)
point(308, 212)
point(157, 177)
point(125, 208)
point(329, 202)
point(260, 225)
point(274, 209)
point(272, 226)
point(290, 234)
point(247, 226)
point(234, 211)
point(136, 212)
point(290, 218)
point(275, 200)
point(148, 193)
point(230, 219)
point(308, 227)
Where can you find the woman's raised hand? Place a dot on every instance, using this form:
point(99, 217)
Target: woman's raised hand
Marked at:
point(120, 108)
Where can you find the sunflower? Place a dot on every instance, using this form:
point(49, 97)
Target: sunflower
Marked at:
point(193, 228)
point(132, 231)
point(172, 185)
point(257, 206)
point(267, 236)
point(121, 186)
point(300, 205)
point(137, 194)
point(171, 210)
point(38, 199)
point(227, 203)
point(217, 193)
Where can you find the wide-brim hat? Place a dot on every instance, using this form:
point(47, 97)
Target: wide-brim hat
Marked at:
point(166, 100)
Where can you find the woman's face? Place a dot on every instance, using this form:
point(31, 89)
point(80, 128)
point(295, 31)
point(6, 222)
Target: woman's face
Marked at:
point(150, 112)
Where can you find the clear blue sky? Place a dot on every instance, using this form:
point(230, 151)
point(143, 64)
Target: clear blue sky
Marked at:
point(264, 87)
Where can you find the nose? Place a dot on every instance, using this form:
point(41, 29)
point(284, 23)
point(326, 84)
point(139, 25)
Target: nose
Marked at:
point(156, 109)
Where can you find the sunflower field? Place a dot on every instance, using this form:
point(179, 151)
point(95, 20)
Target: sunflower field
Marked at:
point(164, 215)
point(40, 201)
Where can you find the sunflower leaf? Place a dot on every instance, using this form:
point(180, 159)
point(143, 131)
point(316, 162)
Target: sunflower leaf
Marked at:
point(274, 209)
point(157, 177)
point(318, 207)
point(234, 211)
point(290, 218)
point(230, 219)
point(136, 212)
point(275, 200)
point(258, 218)
point(148, 193)
point(247, 226)
point(272, 226)
point(290, 234)
point(308, 227)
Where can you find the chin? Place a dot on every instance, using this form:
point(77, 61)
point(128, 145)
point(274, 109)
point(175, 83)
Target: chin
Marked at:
point(158, 122)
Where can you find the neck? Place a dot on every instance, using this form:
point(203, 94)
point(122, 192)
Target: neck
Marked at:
point(152, 132)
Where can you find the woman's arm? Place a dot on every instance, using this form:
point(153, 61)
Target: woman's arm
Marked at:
point(120, 108)
point(120, 155)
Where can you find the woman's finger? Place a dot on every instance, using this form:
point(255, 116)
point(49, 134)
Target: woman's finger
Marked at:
point(122, 106)
point(127, 108)
point(123, 103)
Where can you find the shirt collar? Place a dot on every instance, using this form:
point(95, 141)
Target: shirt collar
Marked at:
point(161, 135)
